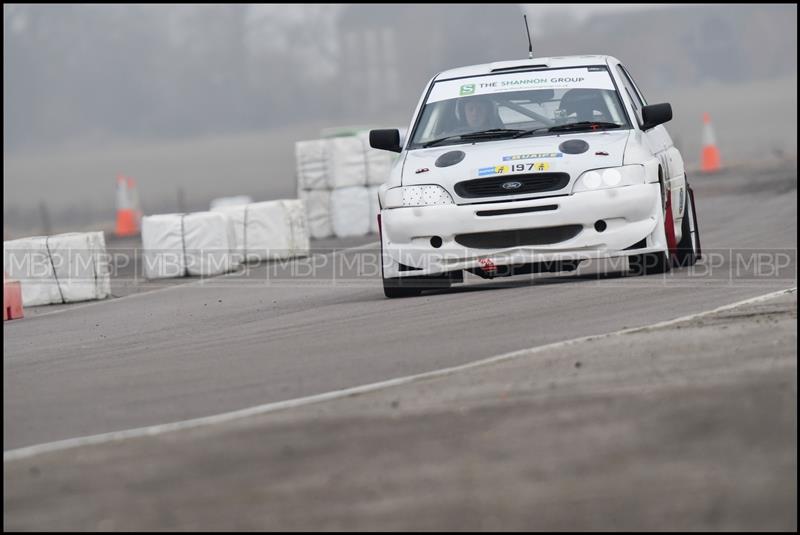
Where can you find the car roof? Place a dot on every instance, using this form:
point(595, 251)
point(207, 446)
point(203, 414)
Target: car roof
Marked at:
point(510, 66)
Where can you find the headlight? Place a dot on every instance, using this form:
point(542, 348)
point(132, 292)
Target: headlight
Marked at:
point(429, 195)
point(611, 177)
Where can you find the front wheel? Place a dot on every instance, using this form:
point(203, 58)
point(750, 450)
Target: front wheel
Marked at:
point(394, 288)
point(687, 252)
point(649, 263)
point(413, 286)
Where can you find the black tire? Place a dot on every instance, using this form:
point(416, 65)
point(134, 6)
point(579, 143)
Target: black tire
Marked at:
point(688, 250)
point(649, 263)
point(413, 286)
point(396, 287)
point(393, 288)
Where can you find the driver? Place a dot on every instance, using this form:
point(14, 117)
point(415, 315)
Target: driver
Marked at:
point(584, 104)
point(479, 114)
point(476, 113)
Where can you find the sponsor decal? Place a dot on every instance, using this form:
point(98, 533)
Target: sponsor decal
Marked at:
point(578, 77)
point(493, 170)
point(422, 170)
point(601, 153)
point(516, 157)
point(467, 89)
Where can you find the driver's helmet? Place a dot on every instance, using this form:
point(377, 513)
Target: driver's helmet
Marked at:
point(583, 103)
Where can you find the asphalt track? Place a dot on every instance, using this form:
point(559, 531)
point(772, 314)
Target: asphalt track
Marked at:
point(689, 424)
point(196, 348)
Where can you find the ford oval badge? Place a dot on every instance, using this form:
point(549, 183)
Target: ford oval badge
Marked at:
point(512, 185)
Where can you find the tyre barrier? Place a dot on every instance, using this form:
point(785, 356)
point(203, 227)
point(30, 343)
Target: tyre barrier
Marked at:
point(64, 268)
point(179, 245)
point(219, 241)
point(338, 179)
point(271, 230)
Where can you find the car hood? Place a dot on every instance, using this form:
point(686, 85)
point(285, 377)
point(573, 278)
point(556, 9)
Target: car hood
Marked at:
point(605, 149)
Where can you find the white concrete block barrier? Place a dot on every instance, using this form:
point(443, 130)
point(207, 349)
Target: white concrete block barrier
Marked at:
point(271, 230)
point(179, 245)
point(65, 268)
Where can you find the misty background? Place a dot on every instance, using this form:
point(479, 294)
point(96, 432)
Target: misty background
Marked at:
point(203, 101)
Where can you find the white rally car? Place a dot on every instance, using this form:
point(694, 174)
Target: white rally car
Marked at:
point(530, 166)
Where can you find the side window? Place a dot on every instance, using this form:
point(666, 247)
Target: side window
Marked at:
point(635, 87)
point(633, 95)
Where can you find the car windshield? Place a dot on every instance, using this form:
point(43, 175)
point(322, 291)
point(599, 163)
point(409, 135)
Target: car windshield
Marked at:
point(541, 102)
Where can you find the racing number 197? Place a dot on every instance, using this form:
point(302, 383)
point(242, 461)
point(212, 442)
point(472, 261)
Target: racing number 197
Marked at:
point(530, 167)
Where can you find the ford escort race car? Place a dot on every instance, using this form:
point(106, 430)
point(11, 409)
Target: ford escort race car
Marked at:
point(529, 166)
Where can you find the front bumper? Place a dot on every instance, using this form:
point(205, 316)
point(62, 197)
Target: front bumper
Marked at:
point(630, 214)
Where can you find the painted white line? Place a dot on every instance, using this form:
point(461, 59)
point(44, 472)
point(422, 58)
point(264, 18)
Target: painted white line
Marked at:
point(30, 451)
point(172, 286)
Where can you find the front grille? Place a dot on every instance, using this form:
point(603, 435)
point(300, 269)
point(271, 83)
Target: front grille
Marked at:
point(515, 238)
point(529, 183)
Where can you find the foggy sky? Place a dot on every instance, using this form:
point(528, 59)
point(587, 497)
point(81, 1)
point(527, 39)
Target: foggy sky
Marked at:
point(211, 98)
point(89, 73)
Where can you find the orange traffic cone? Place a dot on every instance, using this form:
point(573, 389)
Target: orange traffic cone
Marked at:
point(128, 213)
point(12, 299)
point(710, 160)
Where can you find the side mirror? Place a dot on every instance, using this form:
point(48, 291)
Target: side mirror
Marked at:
point(385, 140)
point(656, 114)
